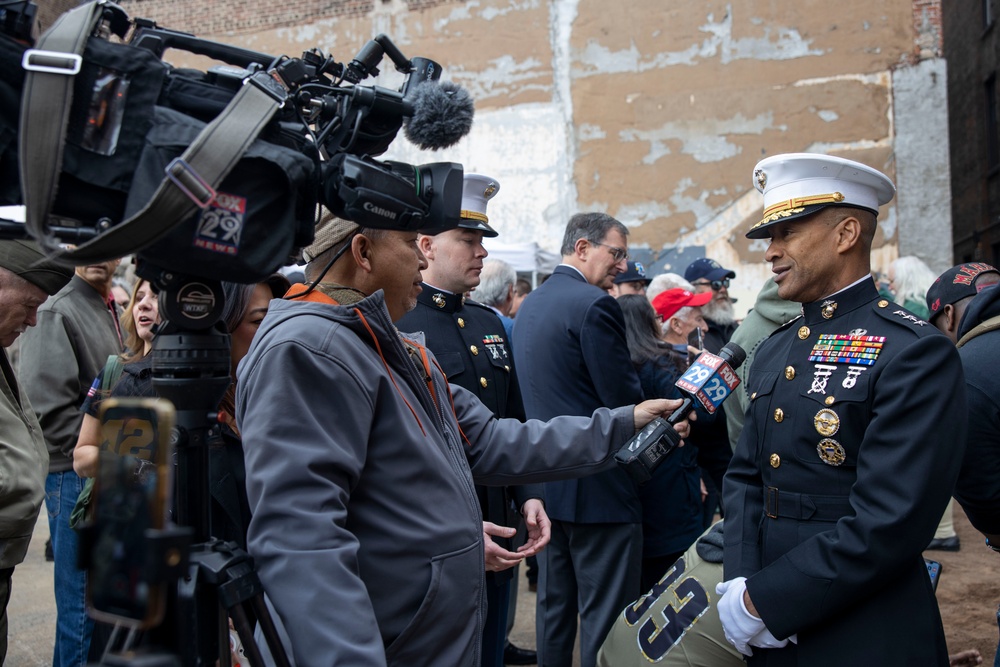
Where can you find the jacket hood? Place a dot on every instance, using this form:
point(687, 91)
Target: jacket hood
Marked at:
point(772, 307)
point(983, 306)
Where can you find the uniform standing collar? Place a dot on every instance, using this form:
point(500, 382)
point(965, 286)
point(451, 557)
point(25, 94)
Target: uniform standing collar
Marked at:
point(439, 299)
point(840, 303)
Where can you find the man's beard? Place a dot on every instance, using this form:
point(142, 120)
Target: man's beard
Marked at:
point(719, 311)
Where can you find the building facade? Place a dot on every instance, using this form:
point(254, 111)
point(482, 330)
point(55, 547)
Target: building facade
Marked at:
point(653, 112)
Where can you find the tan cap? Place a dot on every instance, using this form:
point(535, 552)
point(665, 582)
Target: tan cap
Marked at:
point(330, 231)
point(24, 258)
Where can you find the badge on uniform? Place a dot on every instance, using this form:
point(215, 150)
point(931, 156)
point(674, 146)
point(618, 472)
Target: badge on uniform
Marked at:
point(852, 376)
point(820, 378)
point(831, 452)
point(827, 422)
point(910, 318)
point(495, 345)
point(847, 349)
point(439, 300)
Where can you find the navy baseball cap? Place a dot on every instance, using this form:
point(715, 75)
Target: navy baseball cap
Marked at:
point(635, 273)
point(706, 269)
point(955, 284)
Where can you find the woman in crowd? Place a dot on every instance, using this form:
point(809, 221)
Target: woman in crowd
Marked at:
point(672, 500)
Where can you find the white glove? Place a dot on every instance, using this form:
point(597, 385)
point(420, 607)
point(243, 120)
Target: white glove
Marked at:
point(739, 625)
point(764, 639)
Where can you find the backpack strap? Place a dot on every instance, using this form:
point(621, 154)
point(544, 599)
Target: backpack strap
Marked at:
point(986, 325)
point(112, 372)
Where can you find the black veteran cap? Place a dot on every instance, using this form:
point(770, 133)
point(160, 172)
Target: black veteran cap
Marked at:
point(795, 185)
point(955, 284)
point(26, 260)
point(635, 273)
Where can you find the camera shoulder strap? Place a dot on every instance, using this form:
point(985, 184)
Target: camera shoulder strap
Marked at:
point(190, 180)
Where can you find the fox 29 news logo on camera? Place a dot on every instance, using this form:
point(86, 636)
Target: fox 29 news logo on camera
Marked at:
point(221, 224)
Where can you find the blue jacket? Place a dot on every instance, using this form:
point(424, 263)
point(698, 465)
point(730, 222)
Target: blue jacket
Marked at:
point(572, 358)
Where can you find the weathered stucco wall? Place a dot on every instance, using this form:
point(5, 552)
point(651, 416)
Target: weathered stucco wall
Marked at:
point(654, 112)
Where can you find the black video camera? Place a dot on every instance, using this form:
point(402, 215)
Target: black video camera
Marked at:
point(197, 174)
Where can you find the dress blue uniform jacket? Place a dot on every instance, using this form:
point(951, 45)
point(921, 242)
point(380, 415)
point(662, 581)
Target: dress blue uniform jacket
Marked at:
point(571, 359)
point(839, 479)
point(470, 343)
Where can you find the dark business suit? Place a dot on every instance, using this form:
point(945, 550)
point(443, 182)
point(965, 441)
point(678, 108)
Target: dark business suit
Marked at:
point(572, 358)
point(469, 341)
point(839, 478)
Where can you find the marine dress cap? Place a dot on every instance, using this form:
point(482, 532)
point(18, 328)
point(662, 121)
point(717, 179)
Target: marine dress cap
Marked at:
point(476, 191)
point(799, 184)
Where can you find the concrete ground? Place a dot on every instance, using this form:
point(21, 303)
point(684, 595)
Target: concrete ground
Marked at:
point(32, 611)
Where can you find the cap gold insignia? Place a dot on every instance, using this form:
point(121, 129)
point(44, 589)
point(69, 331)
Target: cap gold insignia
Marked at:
point(828, 309)
point(761, 177)
point(827, 422)
point(831, 452)
point(490, 189)
point(438, 300)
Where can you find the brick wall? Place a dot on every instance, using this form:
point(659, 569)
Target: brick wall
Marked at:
point(927, 25)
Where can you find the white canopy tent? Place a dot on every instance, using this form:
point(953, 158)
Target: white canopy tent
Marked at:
point(524, 257)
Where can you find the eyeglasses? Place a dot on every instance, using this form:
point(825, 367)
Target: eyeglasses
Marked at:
point(619, 254)
point(715, 284)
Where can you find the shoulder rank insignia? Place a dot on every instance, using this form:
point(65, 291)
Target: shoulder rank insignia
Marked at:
point(847, 349)
point(910, 318)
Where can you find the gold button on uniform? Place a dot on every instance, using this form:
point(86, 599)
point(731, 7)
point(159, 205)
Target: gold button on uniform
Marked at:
point(506, 368)
point(753, 396)
point(803, 333)
point(461, 323)
point(789, 373)
point(883, 303)
point(775, 460)
point(779, 415)
point(829, 400)
point(483, 382)
point(475, 350)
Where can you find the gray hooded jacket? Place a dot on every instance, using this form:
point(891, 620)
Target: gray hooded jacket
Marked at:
point(360, 460)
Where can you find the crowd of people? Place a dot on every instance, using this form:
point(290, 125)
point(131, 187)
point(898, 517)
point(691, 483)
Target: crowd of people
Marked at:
point(412, 421)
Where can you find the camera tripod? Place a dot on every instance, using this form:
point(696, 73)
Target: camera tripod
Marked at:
point(208, 579)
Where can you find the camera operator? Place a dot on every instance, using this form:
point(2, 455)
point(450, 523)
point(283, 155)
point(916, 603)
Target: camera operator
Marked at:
point(361, 461)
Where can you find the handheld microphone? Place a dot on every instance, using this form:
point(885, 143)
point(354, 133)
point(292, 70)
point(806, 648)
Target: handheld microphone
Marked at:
point(708, 381)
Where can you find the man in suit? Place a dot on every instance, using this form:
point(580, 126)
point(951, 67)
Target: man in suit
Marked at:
point(470, 343)
point(852, 443)
point(572, 357)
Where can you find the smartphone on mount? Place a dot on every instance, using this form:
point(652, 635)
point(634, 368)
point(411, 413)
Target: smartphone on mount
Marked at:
point(130, 499)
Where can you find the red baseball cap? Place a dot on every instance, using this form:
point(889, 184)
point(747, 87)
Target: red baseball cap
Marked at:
point(666, 304)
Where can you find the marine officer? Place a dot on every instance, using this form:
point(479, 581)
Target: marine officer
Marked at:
point(471, 345)
point(851, 446)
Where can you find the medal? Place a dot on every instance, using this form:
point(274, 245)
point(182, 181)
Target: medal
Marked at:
point(831, 452)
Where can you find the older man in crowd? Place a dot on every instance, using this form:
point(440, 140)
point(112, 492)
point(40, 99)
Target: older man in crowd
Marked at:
point(572, 359)
point(25, 283)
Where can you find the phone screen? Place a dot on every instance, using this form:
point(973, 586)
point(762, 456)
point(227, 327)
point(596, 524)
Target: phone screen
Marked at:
point(130, 498)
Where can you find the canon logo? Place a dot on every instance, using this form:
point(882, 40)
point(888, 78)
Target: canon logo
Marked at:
point(377, 210)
